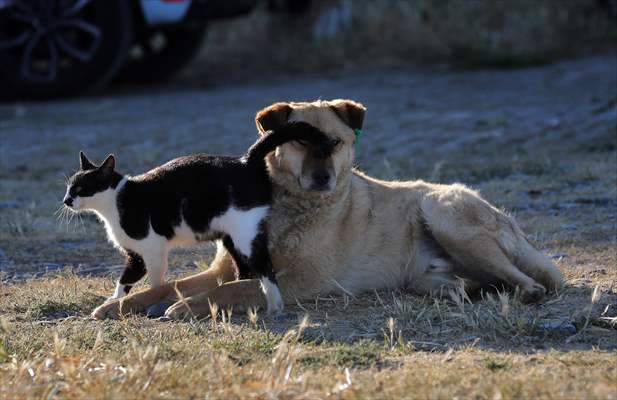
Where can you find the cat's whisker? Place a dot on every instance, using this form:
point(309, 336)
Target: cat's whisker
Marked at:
point(65, 216)
point(58, 212)
point(76, 218)
point(71, 215)
point(80, 219)
point(60, 215)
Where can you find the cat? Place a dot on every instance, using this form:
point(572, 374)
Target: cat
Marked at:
point(188, 200)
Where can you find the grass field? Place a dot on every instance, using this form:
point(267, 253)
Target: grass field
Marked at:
point(538, 143)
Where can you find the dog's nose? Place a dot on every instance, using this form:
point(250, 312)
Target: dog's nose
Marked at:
point(321, 177)
point(68, 201)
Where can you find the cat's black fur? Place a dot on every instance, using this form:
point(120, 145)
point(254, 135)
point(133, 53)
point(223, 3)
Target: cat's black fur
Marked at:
point(195, 190)
point(134, 270)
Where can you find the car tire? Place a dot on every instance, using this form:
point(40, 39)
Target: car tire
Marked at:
point(63, 49)
point(161, 52)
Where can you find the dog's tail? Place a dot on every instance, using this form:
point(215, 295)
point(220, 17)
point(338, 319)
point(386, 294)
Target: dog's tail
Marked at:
point(291, 131)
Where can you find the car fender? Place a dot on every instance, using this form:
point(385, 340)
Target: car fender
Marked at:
point(159, 12)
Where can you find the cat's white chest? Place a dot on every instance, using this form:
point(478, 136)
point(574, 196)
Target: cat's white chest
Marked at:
point(120, 239)
point(116, 234)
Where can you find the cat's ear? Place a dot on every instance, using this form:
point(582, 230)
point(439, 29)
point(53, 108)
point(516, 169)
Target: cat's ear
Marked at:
point(84, 163)
point(109, 164)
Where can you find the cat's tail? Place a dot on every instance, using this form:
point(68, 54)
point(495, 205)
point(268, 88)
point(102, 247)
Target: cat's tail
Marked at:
point(291, 131)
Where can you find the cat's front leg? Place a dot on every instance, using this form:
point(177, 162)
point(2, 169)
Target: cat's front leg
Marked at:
point(156, 265)
point(134, 270)
point(261, 263)
point(256, 264)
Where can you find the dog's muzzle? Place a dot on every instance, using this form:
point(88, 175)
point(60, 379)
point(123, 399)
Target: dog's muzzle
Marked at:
point(321, 180)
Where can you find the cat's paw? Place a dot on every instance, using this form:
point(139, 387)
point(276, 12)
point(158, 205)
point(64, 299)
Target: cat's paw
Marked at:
point(158, 310)
point(178, 312)
point(275, 306)
point(272, 293)
point(107, 310)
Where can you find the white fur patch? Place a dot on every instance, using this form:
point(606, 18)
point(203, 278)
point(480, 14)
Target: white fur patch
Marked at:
point(183, 235)
point(241, 225)
point(273, 295)
point(119, 292)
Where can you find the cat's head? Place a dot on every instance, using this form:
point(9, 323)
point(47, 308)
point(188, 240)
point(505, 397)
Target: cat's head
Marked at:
point(91, 185)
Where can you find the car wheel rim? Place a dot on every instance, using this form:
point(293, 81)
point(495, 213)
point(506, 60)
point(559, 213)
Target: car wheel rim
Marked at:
point(48, 35)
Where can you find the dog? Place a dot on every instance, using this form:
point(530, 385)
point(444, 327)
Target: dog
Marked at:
point(333, 229)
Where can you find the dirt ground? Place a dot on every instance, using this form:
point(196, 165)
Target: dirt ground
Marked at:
point(541, 143)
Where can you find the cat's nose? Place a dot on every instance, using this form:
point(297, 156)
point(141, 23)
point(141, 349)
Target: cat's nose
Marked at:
point(68, 201)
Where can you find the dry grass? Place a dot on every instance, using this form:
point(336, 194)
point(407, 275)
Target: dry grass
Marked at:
point(378, 345)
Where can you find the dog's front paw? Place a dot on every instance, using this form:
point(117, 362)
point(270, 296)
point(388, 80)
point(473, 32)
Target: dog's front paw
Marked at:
point(532, 294)
point(107, 310)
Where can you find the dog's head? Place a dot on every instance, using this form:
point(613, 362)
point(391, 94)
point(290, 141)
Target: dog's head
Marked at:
point(299, 166)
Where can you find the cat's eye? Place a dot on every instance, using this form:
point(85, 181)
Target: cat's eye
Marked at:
point(300, 143)
point(77, 189)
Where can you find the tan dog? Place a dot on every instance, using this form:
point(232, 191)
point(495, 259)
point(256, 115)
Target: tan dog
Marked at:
point(334, 229)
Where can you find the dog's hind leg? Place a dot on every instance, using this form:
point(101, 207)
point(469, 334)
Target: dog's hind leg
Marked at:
point(482, 240)
point(439, 278)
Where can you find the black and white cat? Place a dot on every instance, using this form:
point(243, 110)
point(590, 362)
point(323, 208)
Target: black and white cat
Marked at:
point(188, 200)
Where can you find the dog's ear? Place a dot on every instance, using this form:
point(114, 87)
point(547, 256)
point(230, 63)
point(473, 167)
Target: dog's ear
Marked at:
point(351, 112)
point(272, 117)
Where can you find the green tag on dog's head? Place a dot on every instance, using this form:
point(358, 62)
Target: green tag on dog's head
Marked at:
point(358, 132)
